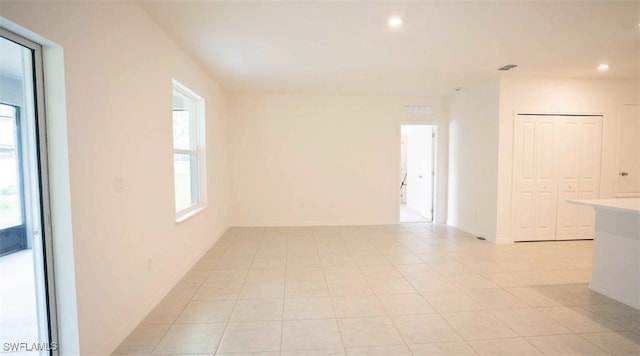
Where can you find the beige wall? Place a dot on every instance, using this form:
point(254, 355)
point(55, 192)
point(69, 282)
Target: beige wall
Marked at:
point(293, 159)
point(559, 96)
point(473, 159)
point(118, 67)
point(314, 159)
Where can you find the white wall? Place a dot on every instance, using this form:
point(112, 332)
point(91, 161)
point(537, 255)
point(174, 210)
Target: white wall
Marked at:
point(128, 251)
point(473, 159)
point(558, 96)
point(314, 159)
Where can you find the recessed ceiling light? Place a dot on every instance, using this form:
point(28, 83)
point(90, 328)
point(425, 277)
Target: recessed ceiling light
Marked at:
point(603, 67)
point(395, 22)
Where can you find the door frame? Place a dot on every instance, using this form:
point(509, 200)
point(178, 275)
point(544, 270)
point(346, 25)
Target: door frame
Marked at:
point(42, 171)
point(434, 185)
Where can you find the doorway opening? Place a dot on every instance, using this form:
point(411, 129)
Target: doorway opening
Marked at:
point(417, 172)
point(27, 300)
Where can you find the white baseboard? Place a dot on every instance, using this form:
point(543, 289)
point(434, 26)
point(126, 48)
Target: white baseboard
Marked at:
point(271, 223)
point(143, 311)
point(473, 231)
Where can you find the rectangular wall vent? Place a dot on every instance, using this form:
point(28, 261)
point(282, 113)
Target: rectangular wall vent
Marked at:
point(418, 110)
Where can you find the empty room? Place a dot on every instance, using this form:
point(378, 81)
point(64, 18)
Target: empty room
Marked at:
point(319, 177)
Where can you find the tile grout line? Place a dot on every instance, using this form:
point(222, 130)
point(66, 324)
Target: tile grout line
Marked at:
point(335, 316)
point(404, 340)
point(231, 313)
point(226, 327)
point(284, 292)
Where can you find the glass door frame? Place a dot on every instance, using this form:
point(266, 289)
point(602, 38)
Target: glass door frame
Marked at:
point(42, 171)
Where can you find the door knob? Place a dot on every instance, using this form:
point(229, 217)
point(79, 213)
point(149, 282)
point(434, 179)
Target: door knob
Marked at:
point(624, 174)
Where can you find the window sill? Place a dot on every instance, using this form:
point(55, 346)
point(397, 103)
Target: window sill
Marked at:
point(188, 213)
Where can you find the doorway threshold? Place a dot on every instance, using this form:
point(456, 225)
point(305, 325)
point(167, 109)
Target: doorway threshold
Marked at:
point(408, 215)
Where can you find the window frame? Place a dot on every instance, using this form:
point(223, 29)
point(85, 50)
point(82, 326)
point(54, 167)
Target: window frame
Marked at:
point(199, 135)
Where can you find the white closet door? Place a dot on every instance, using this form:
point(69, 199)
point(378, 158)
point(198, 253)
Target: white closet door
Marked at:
point(579, 152)
point(535, 194)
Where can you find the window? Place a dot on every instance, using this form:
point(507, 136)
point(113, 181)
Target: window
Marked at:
point(11, 210)
point(188, 152)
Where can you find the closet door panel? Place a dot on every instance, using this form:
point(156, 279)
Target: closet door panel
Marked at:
point(568, 176)
point(545, 223)
point(524, 179)
point(590, 169)
point(579, 174)
point(534, 192)
point(546, 193)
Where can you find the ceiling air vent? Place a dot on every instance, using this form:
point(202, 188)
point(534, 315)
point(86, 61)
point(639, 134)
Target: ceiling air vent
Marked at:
point(508, 67)
point(418, 110)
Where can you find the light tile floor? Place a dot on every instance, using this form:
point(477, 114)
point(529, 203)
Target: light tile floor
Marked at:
point(418, 289)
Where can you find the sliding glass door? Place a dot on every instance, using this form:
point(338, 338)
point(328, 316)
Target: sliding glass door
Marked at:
point(27, 302)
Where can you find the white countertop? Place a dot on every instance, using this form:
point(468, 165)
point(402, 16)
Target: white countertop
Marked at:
point(629, 205)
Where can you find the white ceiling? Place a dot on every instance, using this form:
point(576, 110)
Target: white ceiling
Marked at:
point(345, 47)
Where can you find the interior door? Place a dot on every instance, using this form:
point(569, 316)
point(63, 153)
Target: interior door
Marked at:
point(628, 152)
point(425, 203)
point(534, 192)
point(579, 153)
